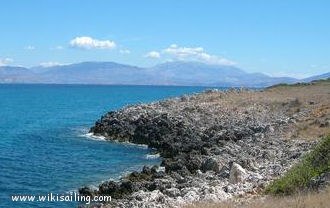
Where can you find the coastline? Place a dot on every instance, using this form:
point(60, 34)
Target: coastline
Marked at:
point(214, 145)
point(103, 138)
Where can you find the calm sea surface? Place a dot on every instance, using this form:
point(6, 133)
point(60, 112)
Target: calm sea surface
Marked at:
point(43, 142)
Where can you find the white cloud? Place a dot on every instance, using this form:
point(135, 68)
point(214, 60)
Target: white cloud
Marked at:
point(153, 54)
point(124, 51)
point(5, 61)
point(50, 64)
point(290, 74)
point(85, 42)
point(195, 54)
point(59, 47)
point(29, 47)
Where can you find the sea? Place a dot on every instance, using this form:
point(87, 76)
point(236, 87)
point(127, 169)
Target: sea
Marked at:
point(45, 147)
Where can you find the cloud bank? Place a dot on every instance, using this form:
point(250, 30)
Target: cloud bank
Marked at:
point(5, 61)
point(153, 54)
point(30, 48)
point(124, 51)
point(50, 64)
point(175, 52)
point(85, 42)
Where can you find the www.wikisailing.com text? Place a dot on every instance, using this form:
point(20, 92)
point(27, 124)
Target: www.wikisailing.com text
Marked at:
point(71, 197)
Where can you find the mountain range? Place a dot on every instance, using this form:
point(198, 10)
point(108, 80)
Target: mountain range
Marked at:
point(169, 73)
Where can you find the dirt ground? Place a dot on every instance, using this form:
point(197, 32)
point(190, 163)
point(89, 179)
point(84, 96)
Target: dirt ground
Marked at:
point(315, 200)
point(308, 104)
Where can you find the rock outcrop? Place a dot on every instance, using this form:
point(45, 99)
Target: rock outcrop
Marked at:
point(237, 174)
point(214, 145)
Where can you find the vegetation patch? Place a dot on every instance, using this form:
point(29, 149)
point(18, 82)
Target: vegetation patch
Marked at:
point(299, 177)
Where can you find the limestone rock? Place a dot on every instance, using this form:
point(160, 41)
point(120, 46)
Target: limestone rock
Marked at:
point(237, 174)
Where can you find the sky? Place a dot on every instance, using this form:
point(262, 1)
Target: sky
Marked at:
point(279, 38)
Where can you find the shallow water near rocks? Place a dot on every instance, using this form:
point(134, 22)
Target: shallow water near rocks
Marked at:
point(43, 143)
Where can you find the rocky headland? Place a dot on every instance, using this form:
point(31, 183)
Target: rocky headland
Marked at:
point(215, 145)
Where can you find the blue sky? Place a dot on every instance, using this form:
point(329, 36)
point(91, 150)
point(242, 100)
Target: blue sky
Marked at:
point(275, 37)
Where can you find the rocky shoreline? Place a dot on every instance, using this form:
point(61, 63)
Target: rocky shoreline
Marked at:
point(214, 145)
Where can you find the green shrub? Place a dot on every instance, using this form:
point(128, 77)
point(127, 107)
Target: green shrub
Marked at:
point(299, 176)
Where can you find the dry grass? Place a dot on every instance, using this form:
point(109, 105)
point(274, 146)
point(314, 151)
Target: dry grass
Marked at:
point(314, 100)
point(314, 200)
point(311, 102)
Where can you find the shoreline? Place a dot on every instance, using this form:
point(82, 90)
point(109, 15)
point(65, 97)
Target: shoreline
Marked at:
point(213, 145)
point(103, 138)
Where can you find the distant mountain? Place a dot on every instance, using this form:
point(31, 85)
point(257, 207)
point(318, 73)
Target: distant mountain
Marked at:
point(195, 73)
point(170, 73)
point(93, 73)
point(317, 77)
point(12, 74)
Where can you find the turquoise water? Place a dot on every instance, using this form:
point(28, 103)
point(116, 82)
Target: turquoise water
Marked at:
point(43, 143)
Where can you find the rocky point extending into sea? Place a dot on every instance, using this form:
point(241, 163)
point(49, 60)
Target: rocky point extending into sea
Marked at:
point(214, 145)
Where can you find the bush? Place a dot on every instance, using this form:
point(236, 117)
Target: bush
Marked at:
point(298, 178)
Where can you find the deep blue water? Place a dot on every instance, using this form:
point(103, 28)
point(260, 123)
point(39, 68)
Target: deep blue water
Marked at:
point(42, 144)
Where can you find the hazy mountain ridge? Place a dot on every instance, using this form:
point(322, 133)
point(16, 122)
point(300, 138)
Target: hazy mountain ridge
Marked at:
point(317, 77)
point(170, 73)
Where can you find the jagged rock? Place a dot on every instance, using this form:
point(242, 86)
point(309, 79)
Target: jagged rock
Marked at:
point(153, 196)
point(86, 191)
point(224, 171)
point(211, 164)
point(146, 170)
point(237, 174)
point(172, 192)
point(320, 182)
point(191, 196)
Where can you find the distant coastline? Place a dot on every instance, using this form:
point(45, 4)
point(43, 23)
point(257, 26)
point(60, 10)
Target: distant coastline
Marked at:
point(179, 73)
